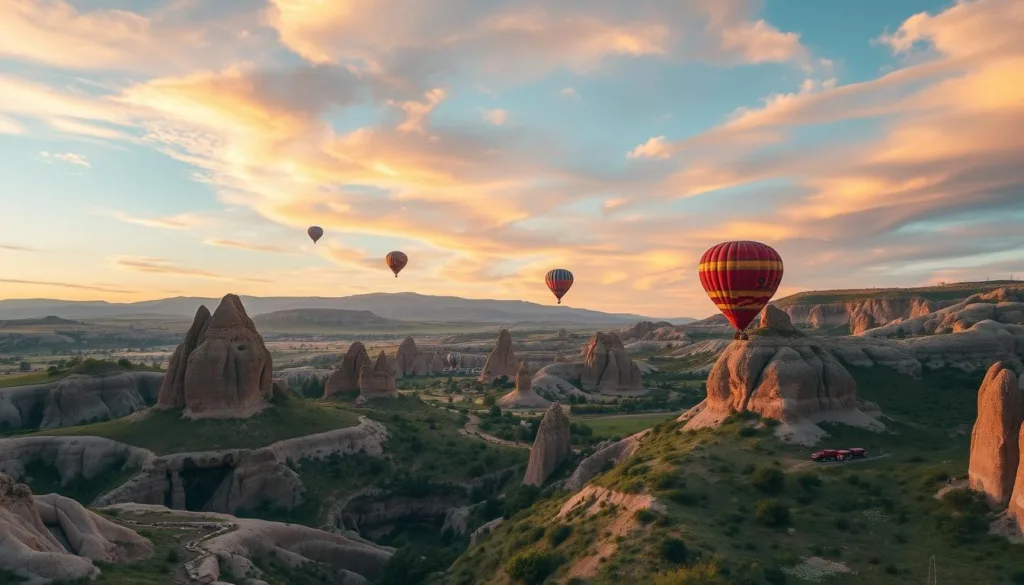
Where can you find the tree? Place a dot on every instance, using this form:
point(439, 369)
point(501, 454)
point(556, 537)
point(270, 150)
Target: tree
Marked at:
point(772, 513)
point(24, 367)
point(490, 400)
point(530, 567)
point(769, 480)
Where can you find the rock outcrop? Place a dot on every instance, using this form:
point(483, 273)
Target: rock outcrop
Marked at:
point(642, 330)
point(610, 454)
point(1003, 305)
point(409, 361)
point(774, 318)
point(502, 359)
point(995, 451)
point(346, 377)
point(552, 446)
point(523, 396)
point(858, 313)
point(796, 381)
point(224, 367)
point(378, 381)
point(78, 399)
point(51, 537)
point(607, 366)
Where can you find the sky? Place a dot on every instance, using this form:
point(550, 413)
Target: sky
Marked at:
point(161, 148)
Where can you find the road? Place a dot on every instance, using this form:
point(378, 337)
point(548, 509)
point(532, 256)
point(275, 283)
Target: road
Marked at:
point(806, 464)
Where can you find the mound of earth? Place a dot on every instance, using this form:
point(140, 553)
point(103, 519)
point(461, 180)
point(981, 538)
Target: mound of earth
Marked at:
point(290, 319)
point(995, 452)
point(222, 369)
point(44, 538)
point(523, 396)
point(552, 446)
point(357, 561)
point(502, 359)
point(78, 399)
point(796, 381)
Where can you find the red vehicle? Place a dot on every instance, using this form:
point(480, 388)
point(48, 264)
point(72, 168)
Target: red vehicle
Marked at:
point(839, 454)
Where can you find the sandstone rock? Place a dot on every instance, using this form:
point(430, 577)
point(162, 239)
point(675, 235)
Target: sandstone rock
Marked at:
point(409, 361)
point(346, 377)
point(607, 366)
point(73, 457)
point(614, 454)
point(172, 391)
point(861, 323)
point(523, 396)
point(775, 318)
point(995, 452)
point(642, 330)
point(793, 380)
point(378, 381)
point(1004, 305)
point(552, 446)
point(54, 538)
point(859, 312)
point(1015, 509)
point(502, 360)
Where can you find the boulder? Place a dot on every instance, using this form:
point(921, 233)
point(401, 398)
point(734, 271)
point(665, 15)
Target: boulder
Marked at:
point(378, 381)
point(523, 396)
point(51, 537)
point(607, 366)
point(502, 359)
point(552, 446)
point(796, 381)
point(995, 452)
point(775, 318)
point(346, 377)
point(409, 361)
point(222, 369)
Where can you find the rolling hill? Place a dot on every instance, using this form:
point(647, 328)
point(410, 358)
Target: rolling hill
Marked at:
point(400, 306)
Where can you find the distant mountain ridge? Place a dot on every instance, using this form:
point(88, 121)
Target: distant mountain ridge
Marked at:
point(398, 306)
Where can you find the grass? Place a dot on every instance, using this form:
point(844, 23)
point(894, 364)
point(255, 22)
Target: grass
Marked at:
point(948, 292)
point(44, 479)
point(156, 570)
point(622, 425)
point(90, 367)
point(30, 378)
point(166, 431)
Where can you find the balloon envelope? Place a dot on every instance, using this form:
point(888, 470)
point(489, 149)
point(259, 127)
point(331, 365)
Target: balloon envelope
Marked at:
point(559, 281)
point(315, 232)
point(740, 278)
point(396, 261)
point(454, 359)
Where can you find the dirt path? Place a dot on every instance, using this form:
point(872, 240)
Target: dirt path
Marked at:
point(806, 464)
point(186, 573)
point(472, 428)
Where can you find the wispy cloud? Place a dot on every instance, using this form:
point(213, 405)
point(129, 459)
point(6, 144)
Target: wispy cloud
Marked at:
point(249, 246)
point(10, 126)
point(164, 266)
point(68, 157)
point(15, 248)
point(497, 117)
point(181, 221)
point(96, 288)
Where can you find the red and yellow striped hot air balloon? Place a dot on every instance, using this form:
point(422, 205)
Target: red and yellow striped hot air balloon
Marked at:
point(559, 282)
point(396, 261)
point(740, 278)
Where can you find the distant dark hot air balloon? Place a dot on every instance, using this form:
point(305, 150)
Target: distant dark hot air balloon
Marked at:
point(740, 278)
point(559, 281)
point(315, 232)
point(454, 359)
point(396, 261)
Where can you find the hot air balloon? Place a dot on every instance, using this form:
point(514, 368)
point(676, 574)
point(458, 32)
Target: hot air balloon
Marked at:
point(396, 261)
point(315, 232)
point(559, 281)
point(740, 278)
point(454, 359)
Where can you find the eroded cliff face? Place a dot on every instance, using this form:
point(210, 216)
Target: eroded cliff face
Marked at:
point(995, 453)
point(859, 315)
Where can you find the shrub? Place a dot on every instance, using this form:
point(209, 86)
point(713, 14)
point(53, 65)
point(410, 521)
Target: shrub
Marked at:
point(558, 534)
point(703, 574)
point(673, 550)
point(530, 567)
point(772, 513)
point(775, 576)
point(645, 516)
point(809, 481)
point(768, 480)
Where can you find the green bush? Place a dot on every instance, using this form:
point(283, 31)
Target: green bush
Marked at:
point(772, 513)
point(769, 480)
point(809, 481)
point(673, 550)
point(530, 567)
point(558, 534)
point(703, 574)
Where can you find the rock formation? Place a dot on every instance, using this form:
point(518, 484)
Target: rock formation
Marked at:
point(776, 319)
point(51, 537)
point(378, 381)
point(346, 377)
point(796, 381)
point(613, 453)
point(1003, 305)
point(995, 452)
point(409, 361)
point(502, 359)
point(223, 366)
point(523, 396)
point(552, 446)
point(607, 366)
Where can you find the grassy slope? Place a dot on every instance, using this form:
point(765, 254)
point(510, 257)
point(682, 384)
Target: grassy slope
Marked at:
point(95, 368)
point(933, 293)
point(877, 516)
point(621, 425)
point(166, 432)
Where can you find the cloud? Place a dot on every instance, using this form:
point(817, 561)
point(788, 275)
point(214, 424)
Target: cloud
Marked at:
point(416, 112)
point(181, 221)
point(104, 289)
point(248, 246)
point(68, 157)
point(10, 126)
point(163, 266)
point(14, 248)
point(497, 117)
point(569, 93)
point(655, 147)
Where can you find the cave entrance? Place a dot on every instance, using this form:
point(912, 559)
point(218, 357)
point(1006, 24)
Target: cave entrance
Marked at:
point(201, 483)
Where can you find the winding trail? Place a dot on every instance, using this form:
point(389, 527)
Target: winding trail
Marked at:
point(189, 567)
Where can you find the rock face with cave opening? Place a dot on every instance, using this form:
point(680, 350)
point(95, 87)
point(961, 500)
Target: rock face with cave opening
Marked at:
point(222, 369)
